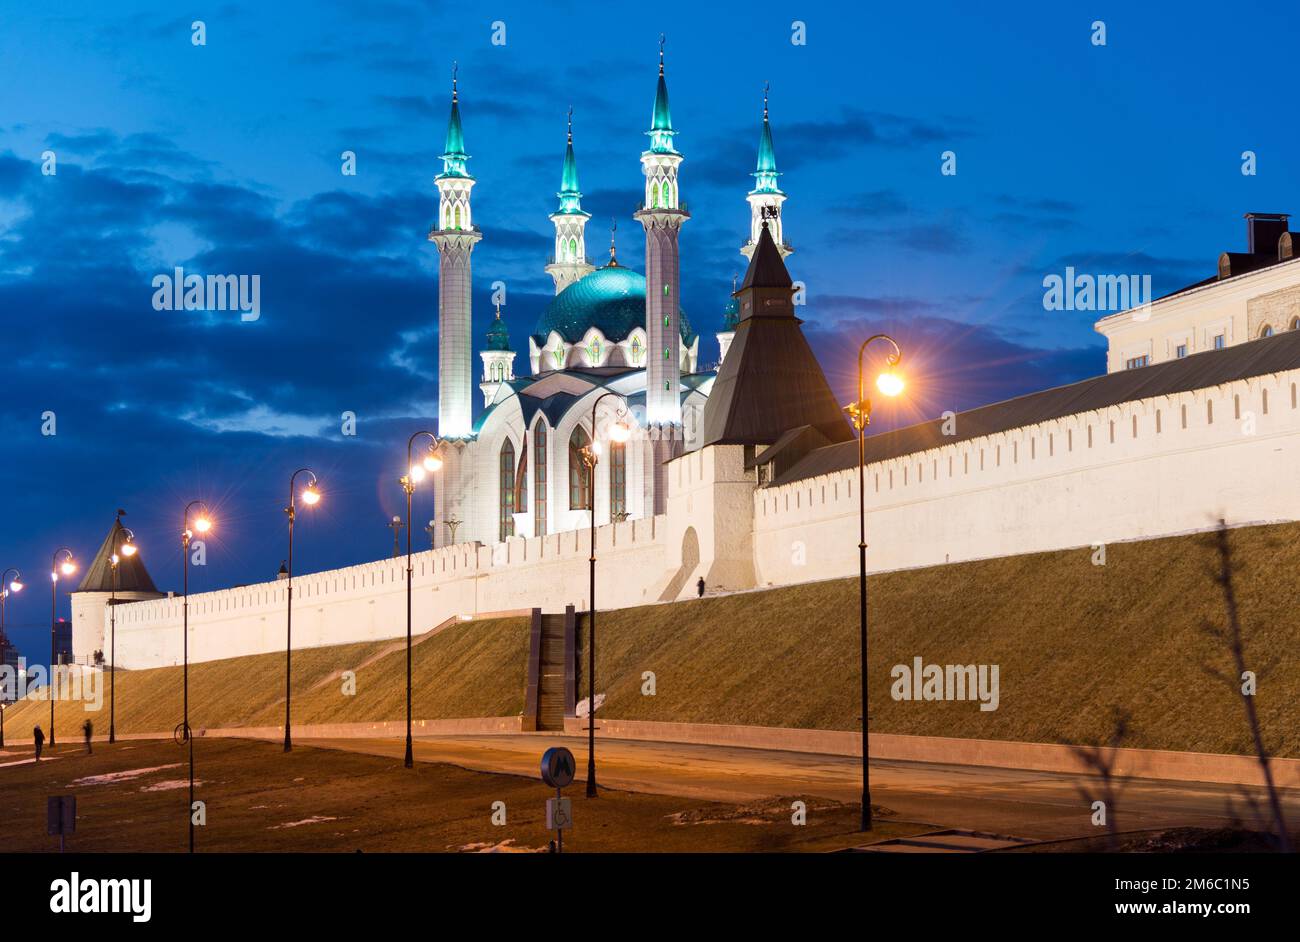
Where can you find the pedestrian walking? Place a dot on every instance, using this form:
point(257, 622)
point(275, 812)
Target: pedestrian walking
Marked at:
point(88, 730)
point(38, 737)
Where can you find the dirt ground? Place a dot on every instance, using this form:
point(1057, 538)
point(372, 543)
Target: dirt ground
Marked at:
point(133, 797)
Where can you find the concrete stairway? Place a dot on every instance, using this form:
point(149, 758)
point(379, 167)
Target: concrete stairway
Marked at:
point(550, 693)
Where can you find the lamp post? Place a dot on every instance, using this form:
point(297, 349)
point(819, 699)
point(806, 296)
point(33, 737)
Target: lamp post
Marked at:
point(202, 524)
point(310, 497)
point(67, 567)
point(415, 473)
point(126, 549)
point(890, 384)
point(6, 586)
point(590, 456)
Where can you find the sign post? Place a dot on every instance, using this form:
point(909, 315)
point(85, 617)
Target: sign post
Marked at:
point(61, 817)
point(558, 768)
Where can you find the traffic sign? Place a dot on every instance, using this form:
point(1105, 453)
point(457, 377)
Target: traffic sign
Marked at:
point(558, 767)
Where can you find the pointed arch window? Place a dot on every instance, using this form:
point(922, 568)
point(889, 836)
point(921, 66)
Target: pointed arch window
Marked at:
point(506, 501)
point(456, 218)
point(617, 480)
point(573, 250)
point(637, 349)
point(579, 483)
point(539, 478)
point(654, 195)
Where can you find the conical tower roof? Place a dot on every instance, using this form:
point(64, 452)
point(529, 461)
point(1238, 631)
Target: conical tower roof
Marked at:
point(770, 383)
point(131, 574)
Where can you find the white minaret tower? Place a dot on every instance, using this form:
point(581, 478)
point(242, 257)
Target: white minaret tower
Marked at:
point(570, 260)
point(498, 360)
point(662, 216)
point(765, 198)
point(455, 237)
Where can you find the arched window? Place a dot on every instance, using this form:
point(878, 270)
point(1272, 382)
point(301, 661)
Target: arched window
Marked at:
point(539, 478)
point(573, 250)
point(456, 218)
point(1266, 331)
point(507, 497)
point(1295, 322)
point(579, 490)
point(654, 195)
point(617, 479)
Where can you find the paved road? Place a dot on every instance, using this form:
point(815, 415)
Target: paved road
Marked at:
point(1039, 805)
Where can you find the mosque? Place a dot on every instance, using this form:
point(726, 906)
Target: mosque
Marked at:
point(518, 470)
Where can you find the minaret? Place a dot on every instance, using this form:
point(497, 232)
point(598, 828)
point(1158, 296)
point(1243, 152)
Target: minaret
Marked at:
point(498, 360)
point(730, 318)
point(765, 198)
point(662, 215)
point(570, 260)
point(455, 236)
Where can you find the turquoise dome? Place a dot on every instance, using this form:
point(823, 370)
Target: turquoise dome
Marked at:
point(611, 299)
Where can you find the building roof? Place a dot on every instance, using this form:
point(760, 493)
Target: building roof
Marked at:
point(770, 381)
point(611, 299)
point(131, 574)
point(765, 173)
point(1198, 371)
point(498, 337)
point(454, 156)
point(661, 120)
point(570, 196)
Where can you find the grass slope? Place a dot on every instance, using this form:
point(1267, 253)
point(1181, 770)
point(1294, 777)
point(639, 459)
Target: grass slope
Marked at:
point(1074, 641)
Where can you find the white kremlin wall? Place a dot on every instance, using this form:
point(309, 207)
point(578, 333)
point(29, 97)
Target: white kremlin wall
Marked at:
point(1154, 467)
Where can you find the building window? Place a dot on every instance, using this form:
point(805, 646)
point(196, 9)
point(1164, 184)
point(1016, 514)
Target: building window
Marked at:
point(1220, 341)
point(506, 502)
point(539, 479)
point(1180, 351)
point(617, 480)
point(579, 489)
point(1134, 363)
point(1266, 330)
point(637, 349)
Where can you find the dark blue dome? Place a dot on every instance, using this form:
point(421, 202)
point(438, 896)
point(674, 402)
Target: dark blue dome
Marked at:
point(611, 299)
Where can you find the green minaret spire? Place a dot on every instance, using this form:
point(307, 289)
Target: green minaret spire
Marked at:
point(766, 173)
point(454, 156)
point(570, 196)
point(661, 120)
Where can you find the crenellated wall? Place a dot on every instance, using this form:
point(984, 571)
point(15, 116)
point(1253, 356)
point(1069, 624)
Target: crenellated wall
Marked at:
point(1148, 468)
point(368, 602)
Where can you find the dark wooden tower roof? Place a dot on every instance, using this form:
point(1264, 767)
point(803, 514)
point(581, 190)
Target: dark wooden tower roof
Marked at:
point(131, 574)
point(770, 382)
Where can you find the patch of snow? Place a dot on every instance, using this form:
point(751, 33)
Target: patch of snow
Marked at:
point(110, 778)
point(169, 785)
point(314, 819)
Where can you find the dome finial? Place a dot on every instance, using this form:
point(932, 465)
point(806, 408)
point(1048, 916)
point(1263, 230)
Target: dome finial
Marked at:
point(661, 53)
point(454, 66)
point(613, 229)
point(570, 124)
point(766, 86)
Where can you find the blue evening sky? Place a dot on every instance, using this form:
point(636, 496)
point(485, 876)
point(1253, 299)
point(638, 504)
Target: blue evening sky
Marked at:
point(225, 158)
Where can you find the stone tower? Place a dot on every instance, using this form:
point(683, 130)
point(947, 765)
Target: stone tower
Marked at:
point(455, 236)
point(569, 263)
point(765, 198)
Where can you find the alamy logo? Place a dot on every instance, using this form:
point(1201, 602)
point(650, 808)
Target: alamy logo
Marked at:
point(76, 895)
point(921, 681)
point(69, 683)
point(181, 292)
point(1084, 292)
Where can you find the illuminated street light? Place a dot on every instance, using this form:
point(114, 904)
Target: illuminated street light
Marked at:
point(890, 383)
point(310, 496)
point(432, 461)
point(68, 567)
point(127, 549)
point(620, 432)
point(15, 585)
point(203, 524)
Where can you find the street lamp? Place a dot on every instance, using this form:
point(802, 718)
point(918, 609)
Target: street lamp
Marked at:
point(202, 524)
point(310, 497)
point(890, 384)
point(620, 433)
point(67, 567)
point(125, 549)
point(415, 473)
point(6, 586)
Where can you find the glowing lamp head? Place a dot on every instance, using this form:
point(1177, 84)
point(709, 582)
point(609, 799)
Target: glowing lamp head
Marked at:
point(620, 432)
point(114, 559)
point(68, 567)
point(128, 549)
point(15, 586)
point(311, 495)
point(417, 473)
point(890, 383)
point(432, 461)
point(203, 525)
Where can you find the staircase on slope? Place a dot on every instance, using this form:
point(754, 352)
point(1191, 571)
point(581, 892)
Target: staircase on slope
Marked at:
point(550, 694)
